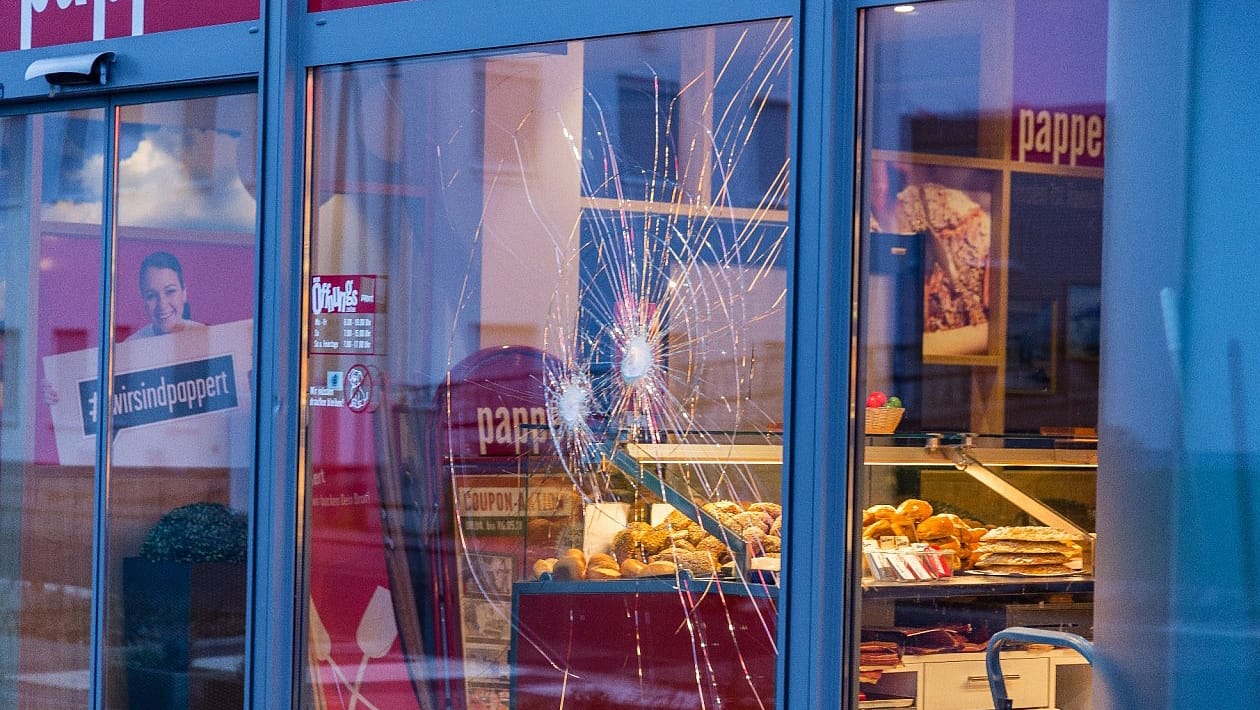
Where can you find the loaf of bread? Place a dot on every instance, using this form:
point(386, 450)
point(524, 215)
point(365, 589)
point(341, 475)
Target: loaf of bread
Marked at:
point(1031, 533)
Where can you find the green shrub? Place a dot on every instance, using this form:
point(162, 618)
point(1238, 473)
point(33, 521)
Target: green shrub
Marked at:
point(198, 532)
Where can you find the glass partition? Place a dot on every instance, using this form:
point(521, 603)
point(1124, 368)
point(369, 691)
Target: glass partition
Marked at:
point(180, 414)
point(981, 177)
point(545, 374)
point(51, 183)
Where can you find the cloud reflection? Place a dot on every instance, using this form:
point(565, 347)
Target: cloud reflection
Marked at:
point(172, 179)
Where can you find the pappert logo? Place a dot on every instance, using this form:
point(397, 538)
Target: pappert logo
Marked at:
point(47, 23)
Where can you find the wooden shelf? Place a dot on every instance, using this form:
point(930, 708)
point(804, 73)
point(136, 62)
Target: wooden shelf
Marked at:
point(975, 585)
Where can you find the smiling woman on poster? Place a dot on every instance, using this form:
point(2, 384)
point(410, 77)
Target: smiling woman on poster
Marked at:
point(165, 296)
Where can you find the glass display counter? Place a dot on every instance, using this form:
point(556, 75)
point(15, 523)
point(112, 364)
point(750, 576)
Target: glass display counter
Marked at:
point(681, 624)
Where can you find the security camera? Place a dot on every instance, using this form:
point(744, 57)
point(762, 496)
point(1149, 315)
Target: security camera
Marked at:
point(76, 70)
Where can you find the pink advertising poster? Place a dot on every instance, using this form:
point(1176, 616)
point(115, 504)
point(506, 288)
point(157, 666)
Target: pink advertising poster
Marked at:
point(71, 331)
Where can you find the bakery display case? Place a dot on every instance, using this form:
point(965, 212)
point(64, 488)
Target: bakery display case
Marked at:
point(1015, 514)
point(589, 608)
point(670, 591)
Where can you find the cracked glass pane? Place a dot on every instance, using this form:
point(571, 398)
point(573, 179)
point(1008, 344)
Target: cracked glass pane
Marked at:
point(545, 374)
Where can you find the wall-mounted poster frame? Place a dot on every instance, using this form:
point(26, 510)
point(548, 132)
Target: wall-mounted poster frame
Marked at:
point(1032, 342)
point(1084, 304)
point(960, 203)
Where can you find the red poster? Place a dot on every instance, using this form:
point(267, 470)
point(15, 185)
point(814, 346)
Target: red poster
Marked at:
point(357, 658)
point(27, 24)
point(387, 571)
point(321, 5)
point(507, 503)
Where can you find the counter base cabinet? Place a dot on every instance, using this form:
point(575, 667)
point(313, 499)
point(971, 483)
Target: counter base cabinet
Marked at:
point(1057, 680)
point(963, 685)
point(642, 644)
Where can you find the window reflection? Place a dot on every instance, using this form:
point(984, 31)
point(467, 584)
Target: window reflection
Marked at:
point(49, 309)
point(179, 406)
point(521, 265)
point(981, 244)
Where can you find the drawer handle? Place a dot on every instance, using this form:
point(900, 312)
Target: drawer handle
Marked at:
point(985, 678)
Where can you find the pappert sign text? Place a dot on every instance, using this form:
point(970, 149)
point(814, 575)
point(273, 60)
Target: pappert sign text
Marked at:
point(161, 394)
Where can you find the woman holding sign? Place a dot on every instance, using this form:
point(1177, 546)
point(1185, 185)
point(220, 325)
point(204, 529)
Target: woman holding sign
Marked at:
point(165, 296)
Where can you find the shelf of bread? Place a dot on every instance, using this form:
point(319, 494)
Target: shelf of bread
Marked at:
point(667, 532)
point(912, 544)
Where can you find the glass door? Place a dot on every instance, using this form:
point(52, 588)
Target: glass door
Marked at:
point(180, 419)
point(128, 224)
point(545, 374)
point(981, 174)
point(52, 180)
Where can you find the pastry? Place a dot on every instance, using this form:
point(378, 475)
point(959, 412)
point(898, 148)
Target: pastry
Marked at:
point(937, 526)
point(877, 512)
point(545, 565)
point(1031, 570)
point(915, 509)
point(598, 573)
point(1001, 559)
point(1031, 533)
point(1027, 546)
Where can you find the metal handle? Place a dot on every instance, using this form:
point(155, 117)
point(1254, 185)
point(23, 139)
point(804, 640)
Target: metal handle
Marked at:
point(985, 678)
point(993, 659)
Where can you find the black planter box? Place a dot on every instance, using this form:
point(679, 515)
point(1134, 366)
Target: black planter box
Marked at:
point(185, 634)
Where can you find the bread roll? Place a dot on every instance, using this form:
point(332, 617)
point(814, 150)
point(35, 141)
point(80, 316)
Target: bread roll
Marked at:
point(546, 564)
point(936, 526)
point(878, 529)
point(774, 509)
point(903, 525)
point(751, 519)
point(659, 567)
point(598, 573)
point(677, 521)
point(600, 559)
point(915, 509)
point(877, 512)
point(569, 568)
point(632, 568)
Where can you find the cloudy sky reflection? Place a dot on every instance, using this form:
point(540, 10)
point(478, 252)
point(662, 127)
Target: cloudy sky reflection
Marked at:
point(183, 178)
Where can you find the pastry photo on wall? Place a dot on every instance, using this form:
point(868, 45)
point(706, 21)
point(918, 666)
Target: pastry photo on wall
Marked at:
point(953, 207)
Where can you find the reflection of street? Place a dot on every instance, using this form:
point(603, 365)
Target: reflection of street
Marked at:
point(56, 672)
point(52, 649)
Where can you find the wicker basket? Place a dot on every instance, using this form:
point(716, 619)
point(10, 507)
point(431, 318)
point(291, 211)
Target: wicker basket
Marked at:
point(883, 420)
